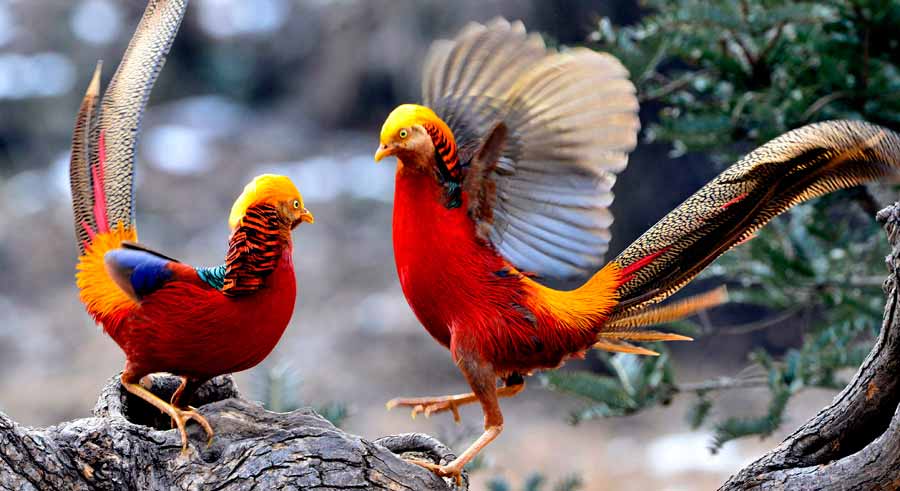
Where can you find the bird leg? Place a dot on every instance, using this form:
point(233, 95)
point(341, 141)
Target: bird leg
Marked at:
point(179, 416)
point(481, 378)
point(184, 391)
point(182, 395)
point(439, 404)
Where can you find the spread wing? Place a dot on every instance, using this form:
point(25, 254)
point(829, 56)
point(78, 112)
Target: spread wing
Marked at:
point(568, 121)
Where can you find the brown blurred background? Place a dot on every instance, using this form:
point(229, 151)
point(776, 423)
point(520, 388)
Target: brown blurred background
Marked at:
point(300, 87)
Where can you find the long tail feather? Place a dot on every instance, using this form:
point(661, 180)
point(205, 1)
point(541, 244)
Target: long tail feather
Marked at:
point(617, 346)
point(80, 177)
point(617, 331)
point(799, 165)
point(666, 313)
point(643, 336)
point(124, 101)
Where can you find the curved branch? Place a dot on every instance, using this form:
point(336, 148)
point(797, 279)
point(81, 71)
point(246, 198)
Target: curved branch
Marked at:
point(127, 444)
point(855, 442)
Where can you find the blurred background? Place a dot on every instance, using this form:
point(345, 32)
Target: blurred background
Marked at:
point(301, 87)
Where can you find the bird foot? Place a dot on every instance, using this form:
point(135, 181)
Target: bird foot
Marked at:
point(450, 470)
point(182, 416)
point(429, 405)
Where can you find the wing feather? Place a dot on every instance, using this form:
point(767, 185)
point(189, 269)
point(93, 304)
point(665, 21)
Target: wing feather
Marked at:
point(571, 119)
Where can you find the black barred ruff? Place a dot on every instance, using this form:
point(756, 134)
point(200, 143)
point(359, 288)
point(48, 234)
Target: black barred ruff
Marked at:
point(254, 250)
point(447, 158)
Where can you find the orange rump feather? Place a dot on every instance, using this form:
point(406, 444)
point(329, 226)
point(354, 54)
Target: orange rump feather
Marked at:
point(99, 293)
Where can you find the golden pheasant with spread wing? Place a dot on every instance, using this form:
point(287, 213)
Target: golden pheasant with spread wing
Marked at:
point(505, 175)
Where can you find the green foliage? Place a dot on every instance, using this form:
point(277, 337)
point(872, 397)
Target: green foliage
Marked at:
point(727, 76)
point(277, 386)
point(763, 425)
point(745, 72)
point(699, 410)
point(781, 384)
point(635, 384)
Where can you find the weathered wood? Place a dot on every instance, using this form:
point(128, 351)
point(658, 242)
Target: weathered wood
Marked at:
point(127, 444)
point(855, 442)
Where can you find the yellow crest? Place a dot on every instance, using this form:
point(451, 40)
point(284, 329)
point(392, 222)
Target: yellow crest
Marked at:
point(406, 115)
point(266, 188)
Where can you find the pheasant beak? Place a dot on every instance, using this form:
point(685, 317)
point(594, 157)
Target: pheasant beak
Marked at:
point(304, 217)
point(384, 150)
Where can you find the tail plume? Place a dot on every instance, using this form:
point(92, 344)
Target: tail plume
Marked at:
point(802, 164)
point(103, 143)
point(617, 346)
point(616, 331)
point(80, 176)
point(627, 324)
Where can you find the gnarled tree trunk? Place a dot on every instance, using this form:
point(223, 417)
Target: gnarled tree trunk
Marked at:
point(855, 442)
point(127, 444)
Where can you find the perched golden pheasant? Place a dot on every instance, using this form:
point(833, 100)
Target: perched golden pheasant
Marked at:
point(504, 175)
point(167, 316)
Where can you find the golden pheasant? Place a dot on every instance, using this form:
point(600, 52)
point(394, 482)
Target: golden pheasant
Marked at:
point(166, 316)
point(504, 175)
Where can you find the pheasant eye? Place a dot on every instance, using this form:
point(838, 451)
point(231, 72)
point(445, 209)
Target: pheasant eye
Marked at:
point(296, 203)
point(404, 133)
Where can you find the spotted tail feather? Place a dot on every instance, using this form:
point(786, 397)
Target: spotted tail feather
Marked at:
point(105, 135)
point(80, 177)
point(802, 164)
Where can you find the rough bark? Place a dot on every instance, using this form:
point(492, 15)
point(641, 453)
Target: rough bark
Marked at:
point(855, 442)
point(127, 444)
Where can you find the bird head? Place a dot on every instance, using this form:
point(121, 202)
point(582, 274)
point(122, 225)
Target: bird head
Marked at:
point(273, 190)
point(408, 132)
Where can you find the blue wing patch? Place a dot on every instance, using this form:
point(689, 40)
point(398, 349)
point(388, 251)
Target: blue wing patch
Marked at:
point(137, 272)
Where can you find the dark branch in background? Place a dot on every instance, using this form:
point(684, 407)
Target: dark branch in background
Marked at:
point(855, 442)
point(747, 328)
point(127, 444)
point(723, 383)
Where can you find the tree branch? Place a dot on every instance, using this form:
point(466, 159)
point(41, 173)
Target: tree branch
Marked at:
point(855, 442)
point(127, 444)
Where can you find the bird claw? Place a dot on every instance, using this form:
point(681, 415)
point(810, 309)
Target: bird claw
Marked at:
point(451, 471)
point(427, 407)
point(188, 414)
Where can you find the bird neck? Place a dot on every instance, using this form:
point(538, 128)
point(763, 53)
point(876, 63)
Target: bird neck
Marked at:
point(445, 151)
point(428, 165)
point(254, 249)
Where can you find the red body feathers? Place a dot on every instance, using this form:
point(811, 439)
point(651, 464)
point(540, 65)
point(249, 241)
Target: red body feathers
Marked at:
point(195, 330)
point(472, 300)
